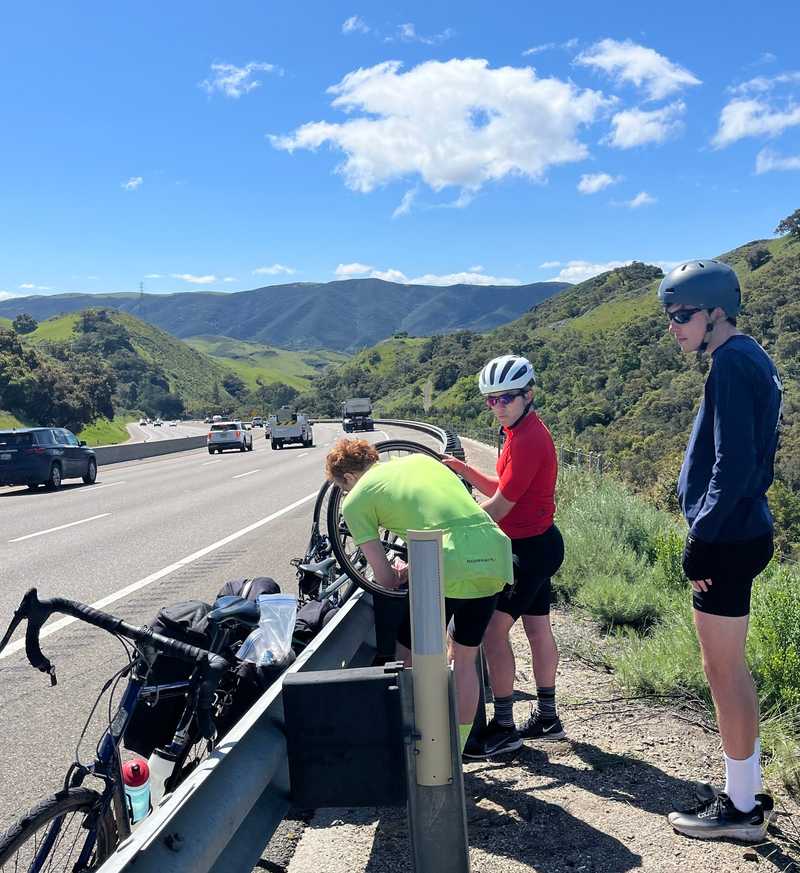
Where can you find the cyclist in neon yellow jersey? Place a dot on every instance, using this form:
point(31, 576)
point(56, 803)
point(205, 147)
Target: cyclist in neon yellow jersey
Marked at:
point(419, 493)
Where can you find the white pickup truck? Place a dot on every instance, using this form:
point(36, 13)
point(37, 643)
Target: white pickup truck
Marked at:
point(289, 427)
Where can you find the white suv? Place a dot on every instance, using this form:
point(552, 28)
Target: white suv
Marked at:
point(230, 435)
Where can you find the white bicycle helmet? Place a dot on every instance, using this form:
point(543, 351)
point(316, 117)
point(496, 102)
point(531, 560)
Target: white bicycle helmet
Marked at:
point(506, 373)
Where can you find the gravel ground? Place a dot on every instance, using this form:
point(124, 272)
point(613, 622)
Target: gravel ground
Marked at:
point(596, 801)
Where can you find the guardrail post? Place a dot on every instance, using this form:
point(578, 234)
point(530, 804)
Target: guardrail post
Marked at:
point(436, 811)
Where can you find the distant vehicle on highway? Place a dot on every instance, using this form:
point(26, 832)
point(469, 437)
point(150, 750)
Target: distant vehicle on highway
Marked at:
point(142, 422)
point(289, 427)
point(158, 422)
point(44, 456)
point(357, 414)
point(216, 418)
point(258, 421)
point(229, 435)
point(173, 424)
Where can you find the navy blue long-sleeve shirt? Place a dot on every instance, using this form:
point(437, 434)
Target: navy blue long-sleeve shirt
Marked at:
point(729, 461)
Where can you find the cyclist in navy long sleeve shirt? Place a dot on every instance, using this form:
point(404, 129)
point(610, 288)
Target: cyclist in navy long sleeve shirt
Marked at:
point(722, 488)
point(727, 468)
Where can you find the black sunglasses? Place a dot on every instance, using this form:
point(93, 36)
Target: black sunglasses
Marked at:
point(503, 399)
point(682, 316)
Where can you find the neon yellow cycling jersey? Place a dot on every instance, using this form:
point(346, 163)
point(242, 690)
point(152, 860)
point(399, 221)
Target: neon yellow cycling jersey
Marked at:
point(418, 493)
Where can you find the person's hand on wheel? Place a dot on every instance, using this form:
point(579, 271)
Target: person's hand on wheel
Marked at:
point(400, 568)
point(452, 463)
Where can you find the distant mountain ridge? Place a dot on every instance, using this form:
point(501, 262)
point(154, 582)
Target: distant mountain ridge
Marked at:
point(345, 315)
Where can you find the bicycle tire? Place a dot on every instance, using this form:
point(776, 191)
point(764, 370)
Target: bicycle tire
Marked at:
point(347, 555)
point(81, 803)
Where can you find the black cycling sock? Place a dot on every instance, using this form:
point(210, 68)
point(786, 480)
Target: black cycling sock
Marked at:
point(504, 710)
point(547, 702)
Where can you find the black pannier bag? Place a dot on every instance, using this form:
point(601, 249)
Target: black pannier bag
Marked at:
point(155, 725)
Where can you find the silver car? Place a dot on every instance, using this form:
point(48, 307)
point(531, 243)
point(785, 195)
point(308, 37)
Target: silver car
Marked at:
point(230, 435)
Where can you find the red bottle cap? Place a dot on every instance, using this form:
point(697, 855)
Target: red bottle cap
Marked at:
point(135, 772)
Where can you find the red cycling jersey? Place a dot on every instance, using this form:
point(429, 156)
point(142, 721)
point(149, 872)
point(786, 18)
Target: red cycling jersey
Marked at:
point(527, 469)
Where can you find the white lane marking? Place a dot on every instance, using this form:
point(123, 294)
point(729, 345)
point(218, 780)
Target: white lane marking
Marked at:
point(11, 648)
point(207, 463)
point(385, 435)
point(40, 533)
point(107, 485)
point(302, 454)
point(248, 473)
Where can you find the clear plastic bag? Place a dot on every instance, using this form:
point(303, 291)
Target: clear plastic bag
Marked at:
point(271, 641)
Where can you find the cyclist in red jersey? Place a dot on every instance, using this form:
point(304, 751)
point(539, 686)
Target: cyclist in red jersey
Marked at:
point(522, 502)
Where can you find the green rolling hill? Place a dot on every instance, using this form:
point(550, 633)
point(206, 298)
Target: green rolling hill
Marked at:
point(253, 361)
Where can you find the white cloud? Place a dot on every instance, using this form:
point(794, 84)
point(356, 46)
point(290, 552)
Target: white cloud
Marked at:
point(274, 270)
point(343, 271)
point(195, 280)
point(643, 67)
point(591, 183)
point(538, 49)
point(405, 204)
point(767, 160)
point(154, 276)
point(476, 269)
point(743, 118)
point(580, 271)
point(641, 199)
point(233, 81)
point(6, 295)
point(635, 127)
point(764, 84)
point(456, 123)
point(548, 264)
point(550, 46)
point(132, 184)
point(355, 24)
point(467, 277)
point(408, 33)
point(30, 286)
point(230, 279)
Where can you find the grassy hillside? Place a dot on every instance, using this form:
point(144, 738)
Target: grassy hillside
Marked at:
point(8, 420)
point(105, 432)
point(253, 361)
point(6, 323)
point(189, 374)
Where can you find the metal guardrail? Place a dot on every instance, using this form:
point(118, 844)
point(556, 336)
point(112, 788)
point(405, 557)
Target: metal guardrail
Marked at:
point(136, 451)
point(221, 818)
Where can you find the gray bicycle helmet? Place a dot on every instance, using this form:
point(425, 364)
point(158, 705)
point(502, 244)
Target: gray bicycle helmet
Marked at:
point(706, 284)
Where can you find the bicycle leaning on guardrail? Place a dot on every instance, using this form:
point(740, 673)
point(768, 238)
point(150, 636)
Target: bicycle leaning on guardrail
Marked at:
point(77, 828)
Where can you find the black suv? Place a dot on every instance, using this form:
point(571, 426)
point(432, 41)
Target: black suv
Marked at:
point(44, 456)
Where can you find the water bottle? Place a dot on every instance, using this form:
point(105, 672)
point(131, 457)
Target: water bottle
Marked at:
point(161, 764)
point(136, 778)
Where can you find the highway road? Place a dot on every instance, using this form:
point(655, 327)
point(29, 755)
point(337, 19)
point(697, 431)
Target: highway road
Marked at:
point(147, 433)
point(148, 533)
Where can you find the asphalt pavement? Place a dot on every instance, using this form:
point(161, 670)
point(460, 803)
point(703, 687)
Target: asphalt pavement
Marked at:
point(147, 534)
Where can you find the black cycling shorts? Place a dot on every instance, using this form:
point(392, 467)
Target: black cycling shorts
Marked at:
point(466, 620)
point(737, 565)
point(536, 559)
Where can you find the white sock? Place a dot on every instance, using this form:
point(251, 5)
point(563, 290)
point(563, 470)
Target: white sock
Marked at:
point(758, 784)
point(739, 782)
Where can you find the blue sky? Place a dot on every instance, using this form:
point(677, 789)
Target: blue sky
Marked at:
point(208, 146)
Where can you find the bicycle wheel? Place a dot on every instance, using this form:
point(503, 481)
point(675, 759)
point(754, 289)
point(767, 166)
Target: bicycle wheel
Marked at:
point(53, 835)
point(348, 554)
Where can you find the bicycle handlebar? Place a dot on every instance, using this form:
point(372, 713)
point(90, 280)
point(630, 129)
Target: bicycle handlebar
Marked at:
point(37, 611)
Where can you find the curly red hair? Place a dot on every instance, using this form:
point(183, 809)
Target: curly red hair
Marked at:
point(349, 456)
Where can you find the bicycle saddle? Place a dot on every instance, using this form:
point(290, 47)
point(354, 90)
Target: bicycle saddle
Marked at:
point(233, 606)
point(319, 567)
